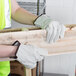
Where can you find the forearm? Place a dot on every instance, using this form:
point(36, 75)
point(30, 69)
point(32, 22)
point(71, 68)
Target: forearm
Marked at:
point(7, 51)
point(23, 16)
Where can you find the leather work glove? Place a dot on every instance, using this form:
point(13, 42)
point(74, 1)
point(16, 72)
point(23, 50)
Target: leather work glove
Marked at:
point(55, 30)
point(29, 55)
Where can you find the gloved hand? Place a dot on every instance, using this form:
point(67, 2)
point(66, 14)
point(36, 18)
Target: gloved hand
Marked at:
point(29, 55)
point(55, 30)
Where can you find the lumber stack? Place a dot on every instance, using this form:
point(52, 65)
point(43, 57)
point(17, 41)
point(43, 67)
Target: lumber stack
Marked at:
point(38, 37)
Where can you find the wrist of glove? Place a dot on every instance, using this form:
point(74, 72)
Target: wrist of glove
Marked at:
point(42, 21)
point(29, 55)
point(55, 30)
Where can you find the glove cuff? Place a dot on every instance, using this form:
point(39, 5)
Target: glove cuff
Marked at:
point(42, 21)
point(16, 43)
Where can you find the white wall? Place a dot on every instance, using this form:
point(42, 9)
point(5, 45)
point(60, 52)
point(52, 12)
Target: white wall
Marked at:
point(61, 64)
point(65, 12)
point(62, 10)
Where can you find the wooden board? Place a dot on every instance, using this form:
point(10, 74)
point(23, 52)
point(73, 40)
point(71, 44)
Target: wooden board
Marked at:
point(38, 37)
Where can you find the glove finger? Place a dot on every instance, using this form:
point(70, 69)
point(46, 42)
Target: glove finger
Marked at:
point(31, 66)
point(63, 29)
point(57, 33)
point(49, 33)
point(37, 56)
point(42, 51)
point(54, 23)
point(27, 64)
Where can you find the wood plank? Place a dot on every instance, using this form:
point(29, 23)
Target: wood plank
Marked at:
point(28, 72)
point(34, 72)
point(37, 38)
point(26, 36)
point(19, 29)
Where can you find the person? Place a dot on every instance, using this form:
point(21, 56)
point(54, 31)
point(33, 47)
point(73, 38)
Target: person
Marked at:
point(55, 30)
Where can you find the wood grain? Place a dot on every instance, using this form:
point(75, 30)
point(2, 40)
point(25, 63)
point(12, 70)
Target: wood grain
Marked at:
point(38, 38)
